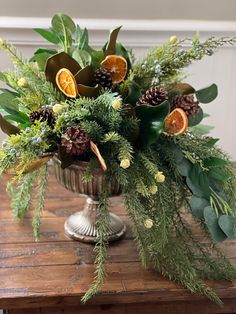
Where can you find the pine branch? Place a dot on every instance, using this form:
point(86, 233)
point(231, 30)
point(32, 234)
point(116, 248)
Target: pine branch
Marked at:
point(42, 177)
point(100, 249)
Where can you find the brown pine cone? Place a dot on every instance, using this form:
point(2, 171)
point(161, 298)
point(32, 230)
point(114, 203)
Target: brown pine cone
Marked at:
point(103, 78)
point(43, 115)
point(187, 103)
point(153, 96)
point(75, 141)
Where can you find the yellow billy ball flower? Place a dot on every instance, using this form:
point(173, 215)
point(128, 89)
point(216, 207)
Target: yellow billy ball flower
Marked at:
point(160, 177)
point(148, 223)
point(116, 104)
point(22, 82)
point(125, 163)
point(173, 40)
point(153, 189)
point(57, 108)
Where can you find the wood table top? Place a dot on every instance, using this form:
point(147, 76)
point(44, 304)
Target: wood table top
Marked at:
point(57, 270)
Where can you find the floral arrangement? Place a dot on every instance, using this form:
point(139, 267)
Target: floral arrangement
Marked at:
point(139, 122)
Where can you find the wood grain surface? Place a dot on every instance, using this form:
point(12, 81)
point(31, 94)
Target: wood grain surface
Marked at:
point(51, 275)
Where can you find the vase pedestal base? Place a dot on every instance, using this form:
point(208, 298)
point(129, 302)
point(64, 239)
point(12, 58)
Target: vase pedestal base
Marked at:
point(81, 226)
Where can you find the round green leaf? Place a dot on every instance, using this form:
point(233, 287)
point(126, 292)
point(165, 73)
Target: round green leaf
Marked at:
point(196, 119)
point(211, 220)
point(227, 224)
point(197, 205)
point(207, 94)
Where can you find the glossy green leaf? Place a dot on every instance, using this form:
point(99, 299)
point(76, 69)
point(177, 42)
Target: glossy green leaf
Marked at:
point(82, 57)
point(134, 94)
point(200, 180)
point(97, 57)
point(110, 48)
point(48, 35)
point(219, 174)
point(211, 220)
point(41, 59)
point(227, 224)
point(214, 162)
point(83, 44)
point(207, 94)
point(197, 205)
point(151, 121)
point(211, 142)
point(195, 119)
point(8, 102)
point(42, 50)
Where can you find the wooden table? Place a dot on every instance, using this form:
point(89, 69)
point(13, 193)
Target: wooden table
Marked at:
point(50, 276)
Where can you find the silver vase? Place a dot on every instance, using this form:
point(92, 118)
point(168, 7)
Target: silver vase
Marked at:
point(81, 226)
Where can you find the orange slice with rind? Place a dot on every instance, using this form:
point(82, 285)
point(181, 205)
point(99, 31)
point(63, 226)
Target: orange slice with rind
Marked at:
point(117, 66)
point(66, 83)
point(176, 123)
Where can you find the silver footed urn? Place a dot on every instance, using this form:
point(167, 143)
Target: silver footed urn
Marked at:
point(81, 225)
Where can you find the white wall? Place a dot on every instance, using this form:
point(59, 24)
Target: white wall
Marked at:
point(141, 34)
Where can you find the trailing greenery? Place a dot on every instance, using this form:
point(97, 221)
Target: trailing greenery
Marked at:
point(141, 124)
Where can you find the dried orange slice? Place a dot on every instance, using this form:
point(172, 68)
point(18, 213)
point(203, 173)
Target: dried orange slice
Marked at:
point(66, 83)
point(117, 66)
point(176, 123)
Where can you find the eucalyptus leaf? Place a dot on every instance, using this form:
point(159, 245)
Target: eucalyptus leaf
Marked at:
point(195, 119)
point(84, 40)
point(211, 220)
point(200, 180)
point(197, 205)
point(207, 94)
point(227, 224)
point(184, 167)
point(202, 129)
point(48, 35)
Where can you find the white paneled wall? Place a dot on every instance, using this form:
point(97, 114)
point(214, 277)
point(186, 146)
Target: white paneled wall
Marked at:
point(220, 68)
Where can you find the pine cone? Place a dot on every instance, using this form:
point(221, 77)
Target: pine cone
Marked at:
point(75, 141)
point(153, 96)
point(103, 78)
point(43, 115)
point(187, 103)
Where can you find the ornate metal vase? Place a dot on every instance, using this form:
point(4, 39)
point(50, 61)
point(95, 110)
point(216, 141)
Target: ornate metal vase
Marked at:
point(81, 225)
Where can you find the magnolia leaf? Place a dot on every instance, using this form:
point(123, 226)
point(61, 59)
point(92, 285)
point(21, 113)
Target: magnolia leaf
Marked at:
point(195, 119)
point(88, 91)
point(110, 48)
point(57, 62)
point(7, 127)
point(49, 36)
point(211, 220)
point(65, 158)
point(207, 94)
point(151, 121)
point(85, 76)
point(134, 94)
point(197, 205)
point(183, 88)
point(227, 224)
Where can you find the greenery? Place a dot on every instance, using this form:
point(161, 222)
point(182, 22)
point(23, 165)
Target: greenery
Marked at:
point(172, 173)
